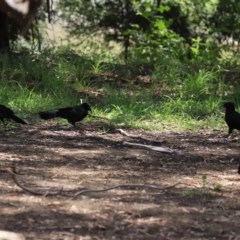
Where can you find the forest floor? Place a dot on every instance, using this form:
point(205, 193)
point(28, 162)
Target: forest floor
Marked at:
point(197, 194)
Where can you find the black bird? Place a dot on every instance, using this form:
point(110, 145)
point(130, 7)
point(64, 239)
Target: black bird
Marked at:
point(72, 114)
point(232, 117)
point(7, 113)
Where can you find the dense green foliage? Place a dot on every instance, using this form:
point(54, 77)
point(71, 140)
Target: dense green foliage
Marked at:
point(156, 25)
point(169, 94)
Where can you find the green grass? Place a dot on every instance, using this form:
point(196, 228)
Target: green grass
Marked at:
point(175, 96)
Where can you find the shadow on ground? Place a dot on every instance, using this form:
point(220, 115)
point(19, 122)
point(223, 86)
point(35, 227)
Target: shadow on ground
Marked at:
point(205, 204)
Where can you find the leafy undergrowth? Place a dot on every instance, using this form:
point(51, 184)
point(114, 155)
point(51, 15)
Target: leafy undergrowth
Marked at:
point(164, 95)
point(56, 158)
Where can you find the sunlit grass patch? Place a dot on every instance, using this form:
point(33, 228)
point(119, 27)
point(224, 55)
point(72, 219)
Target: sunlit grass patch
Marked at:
point(172, 96)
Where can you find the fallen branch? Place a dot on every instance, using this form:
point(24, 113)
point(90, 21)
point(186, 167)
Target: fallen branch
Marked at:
point(154, 148)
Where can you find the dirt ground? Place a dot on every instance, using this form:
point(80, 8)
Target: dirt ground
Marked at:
point(51, 158)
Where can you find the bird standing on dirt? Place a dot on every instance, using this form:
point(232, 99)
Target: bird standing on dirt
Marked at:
point(72, 114)
point(232, 117)
point(7, 113)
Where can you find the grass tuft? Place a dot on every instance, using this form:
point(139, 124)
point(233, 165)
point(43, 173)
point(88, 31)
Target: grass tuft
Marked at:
point(165, 95)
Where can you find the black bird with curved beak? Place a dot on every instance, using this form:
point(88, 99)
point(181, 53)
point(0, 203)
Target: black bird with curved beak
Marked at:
point(232, 117)
point(71, 114)
point(7, 113)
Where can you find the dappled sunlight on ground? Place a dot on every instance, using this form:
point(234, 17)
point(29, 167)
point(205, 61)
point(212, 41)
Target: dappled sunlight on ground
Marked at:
point(204, 205)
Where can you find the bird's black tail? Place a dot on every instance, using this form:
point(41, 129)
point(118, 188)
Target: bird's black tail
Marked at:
point(47, 115)
point(18, 120)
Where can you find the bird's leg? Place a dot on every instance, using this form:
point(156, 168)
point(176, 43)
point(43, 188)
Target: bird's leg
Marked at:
point(73, 124)
point(229, 132)
point(81, 130)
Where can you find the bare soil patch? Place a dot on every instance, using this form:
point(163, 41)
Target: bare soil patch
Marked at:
point(206, 205)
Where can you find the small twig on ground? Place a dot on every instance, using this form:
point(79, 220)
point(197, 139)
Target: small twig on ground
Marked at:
point(124, 133)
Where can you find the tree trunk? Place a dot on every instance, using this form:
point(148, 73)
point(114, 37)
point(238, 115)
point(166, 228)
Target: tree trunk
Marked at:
point(4, 38)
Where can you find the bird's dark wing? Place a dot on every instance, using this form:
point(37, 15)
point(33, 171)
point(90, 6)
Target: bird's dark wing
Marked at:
point(72, 114)
point(80, 112)
point(64, 112)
